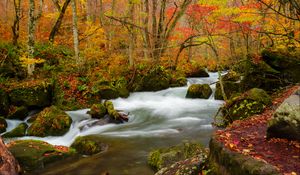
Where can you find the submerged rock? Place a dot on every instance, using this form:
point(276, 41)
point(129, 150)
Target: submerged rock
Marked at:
point(19, 131)
point(199, 91)
point(89, 145)
point(286, 123)
point(34, 154)
point(50, 122)
point(31, 94)
point(251, 102)
point(3, 125)
point(164, 157)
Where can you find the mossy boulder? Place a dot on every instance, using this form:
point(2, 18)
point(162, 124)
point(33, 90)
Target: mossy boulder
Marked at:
point(19, 131)
point(34, 154)
point(287, 63)
point(198, 72)
point(89, 145)
point(3, 125)
point(231, 76)
point(97, 110)
point(18, 112)
point(37, 93)
point(155, 79)
point(178, 82)
point(230, 88)
point(199, 91)
point(251, 102)
point(164, 157)
point(113, 114)
point(50, 122)
point(4, 102)
point(286, 123)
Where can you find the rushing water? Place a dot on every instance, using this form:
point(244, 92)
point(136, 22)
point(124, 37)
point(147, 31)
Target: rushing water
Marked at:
point(157, 119)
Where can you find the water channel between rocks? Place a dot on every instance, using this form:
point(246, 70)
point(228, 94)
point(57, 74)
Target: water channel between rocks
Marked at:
point(157, 119)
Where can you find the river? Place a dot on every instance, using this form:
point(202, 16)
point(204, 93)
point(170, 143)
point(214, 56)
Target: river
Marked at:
point(157, 119)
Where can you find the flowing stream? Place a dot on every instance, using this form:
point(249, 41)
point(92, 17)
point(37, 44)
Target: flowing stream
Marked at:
point(157, 119)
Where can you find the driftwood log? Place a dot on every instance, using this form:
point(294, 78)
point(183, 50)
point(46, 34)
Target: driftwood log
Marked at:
point(8, 164)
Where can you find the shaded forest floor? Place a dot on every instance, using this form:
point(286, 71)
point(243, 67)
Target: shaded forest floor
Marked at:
point(249, 138)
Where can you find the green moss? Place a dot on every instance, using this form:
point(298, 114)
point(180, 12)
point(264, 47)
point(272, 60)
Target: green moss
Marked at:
point(18, 112)
point(33, 154)
point(111, 110)
point(230, 89)
point(3, 125)
point(199, 91)
point(19, 131)
point(50, 122)
point(89, 145)
point(167, 156)
point(97, 110)
point(231, 76)
point(37, 93)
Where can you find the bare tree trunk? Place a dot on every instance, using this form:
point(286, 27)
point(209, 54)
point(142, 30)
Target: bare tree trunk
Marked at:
point(9, 165)
point(101, 16)
point(16, 25)
point(59, 20)
point(111, 33)
point(75, 31)
point(147, 45)
point(190, 51)
point(132, 34)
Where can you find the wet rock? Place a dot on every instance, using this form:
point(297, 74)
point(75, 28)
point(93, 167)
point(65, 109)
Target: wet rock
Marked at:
point(34, 154)
point(4, 102)
point(9, 165)
point(199, 91)
point(19, 131)
point(231, 76)
point(89, 145)
point(31, 94)
point(286, 123)
point(18, 112)
point(251, 102)
point(97, 111)
point(164, 157)
point(178, 82)
point(199, 72)
point(3, 125)
point(50, 122)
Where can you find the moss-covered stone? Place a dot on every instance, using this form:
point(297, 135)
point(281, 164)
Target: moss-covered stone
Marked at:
point(97, 110)
point(33, 154)
point(164, 157)
point(4, 102)
point(199, 91)
point(178, 82)
point(36, 94)
point(50, 122)
point(198, 72)
point(19, 131)
point(231, 76)
point(230, 88)
point(251, 102)
point(224, 162)
point(113, 114)
point(3, 125)
point(89, 145)
point(18, 112)
point(286, 123)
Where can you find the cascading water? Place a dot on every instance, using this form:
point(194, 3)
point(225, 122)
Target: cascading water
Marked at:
point(156, 119)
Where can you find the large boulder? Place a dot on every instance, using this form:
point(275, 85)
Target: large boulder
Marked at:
point(286, 63)
point(89, 145)
point(34, 154)
point(230, 88)
point(231, 76)
point(19, 131)
point(8, 165)
point(199, 91)
point(178, 82)
point(286, 123)
point(4, 102)
point(164, 157)
point(18, 112)
point(197, 72)
point(50, 122)
point(31, 94)
point(251, 102)
point(3, 125)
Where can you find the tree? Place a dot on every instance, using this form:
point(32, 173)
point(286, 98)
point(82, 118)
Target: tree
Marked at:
point(16, 24)
point(75, 31)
